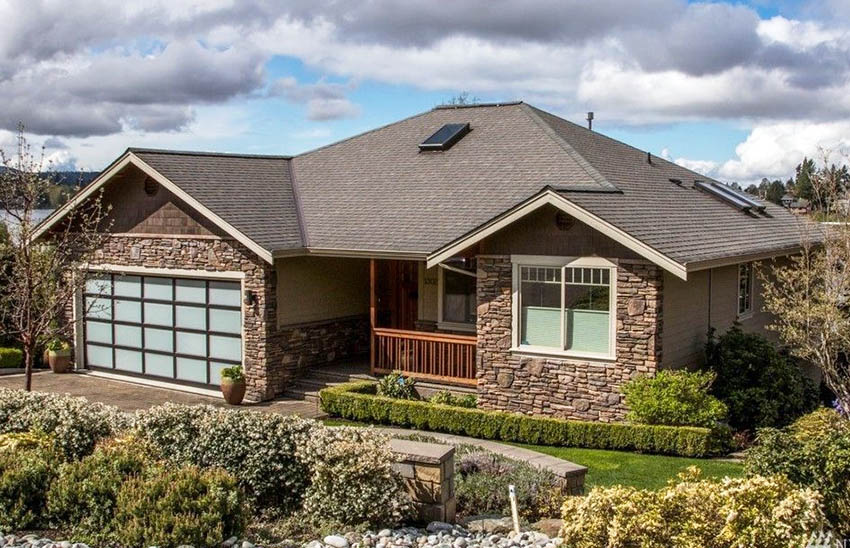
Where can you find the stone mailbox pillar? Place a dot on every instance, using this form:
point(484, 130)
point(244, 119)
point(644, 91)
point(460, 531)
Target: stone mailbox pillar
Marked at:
point(428, 471)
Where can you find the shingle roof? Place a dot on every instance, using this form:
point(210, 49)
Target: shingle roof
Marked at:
point(378, 192)
point(251, 192)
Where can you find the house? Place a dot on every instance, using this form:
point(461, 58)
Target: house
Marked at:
point(796, 205)
point(496, 246)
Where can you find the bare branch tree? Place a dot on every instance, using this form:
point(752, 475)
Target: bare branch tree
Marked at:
point(810, 296)
point(42, 276)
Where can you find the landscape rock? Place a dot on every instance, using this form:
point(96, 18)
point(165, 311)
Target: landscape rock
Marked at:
point(549, 527)
point(489, 524)
point(336, 541)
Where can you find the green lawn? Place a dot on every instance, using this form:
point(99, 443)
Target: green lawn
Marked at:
point(606, 468)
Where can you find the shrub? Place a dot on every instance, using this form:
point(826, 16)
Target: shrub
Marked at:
point(444, 397)
point(179, 507)
point(758, 511)
point(11, 358)
point(674, 398)
point(352, 480)
point(75, 424)
point(760, 385)
point(83, 497)
point(257, 448)
point(357, 401)
point(397, 386)
point(482, 480)
point(27, 466)
point(815, 452)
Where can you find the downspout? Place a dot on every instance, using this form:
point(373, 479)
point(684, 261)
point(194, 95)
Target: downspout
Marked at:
point(710, 272)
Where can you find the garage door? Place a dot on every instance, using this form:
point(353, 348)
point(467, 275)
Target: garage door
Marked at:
point(183, 329)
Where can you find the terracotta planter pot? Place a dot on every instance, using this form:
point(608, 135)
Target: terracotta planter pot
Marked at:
point(59, 360)
point(233, 391)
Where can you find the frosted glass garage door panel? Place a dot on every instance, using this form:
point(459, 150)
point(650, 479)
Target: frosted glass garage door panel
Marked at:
point(158, 289)
point(99, 332)
point(128, 311)
point(159, 365)
point(226, 321)
point(191, 291)
point(191, 317)
point(225, 293)
point(98, 356)
point(192, 370)
point(128, 360)
point(99, 308)
point(159, 339)
point(128, 286)
point(191, 343)
point(225, 348)
point(100, 285)
point(128, 335)
point(215, 372)
point(158, 314)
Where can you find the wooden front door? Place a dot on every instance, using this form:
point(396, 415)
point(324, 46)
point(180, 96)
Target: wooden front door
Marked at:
point(398, 294)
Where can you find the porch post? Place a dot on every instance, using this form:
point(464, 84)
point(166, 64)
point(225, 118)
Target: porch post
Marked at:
point(372, 315)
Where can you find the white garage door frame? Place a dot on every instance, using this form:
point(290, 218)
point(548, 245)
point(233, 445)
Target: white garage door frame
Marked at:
point(165, 382)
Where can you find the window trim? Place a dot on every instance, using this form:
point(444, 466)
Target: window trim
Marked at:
point(749, 311)
point(518, 261)
point(446, 325)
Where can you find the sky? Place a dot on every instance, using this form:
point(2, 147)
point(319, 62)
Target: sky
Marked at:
point(734, 90)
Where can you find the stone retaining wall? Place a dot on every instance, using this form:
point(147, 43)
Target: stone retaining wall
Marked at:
point(568, 388)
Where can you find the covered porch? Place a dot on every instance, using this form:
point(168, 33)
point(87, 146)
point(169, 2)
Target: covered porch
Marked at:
point(439, 352)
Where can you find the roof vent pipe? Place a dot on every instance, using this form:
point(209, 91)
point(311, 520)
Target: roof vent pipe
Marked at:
point(649, 157)
point(590, 120)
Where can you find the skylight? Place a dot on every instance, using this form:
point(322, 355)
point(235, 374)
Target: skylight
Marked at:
point(730, 195)
point(445, 137)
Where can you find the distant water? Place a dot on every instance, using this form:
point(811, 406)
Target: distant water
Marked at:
point(38, 215)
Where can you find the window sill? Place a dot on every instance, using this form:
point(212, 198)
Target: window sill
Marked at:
point(561, 355)
point(745, 315)
point(451, 326)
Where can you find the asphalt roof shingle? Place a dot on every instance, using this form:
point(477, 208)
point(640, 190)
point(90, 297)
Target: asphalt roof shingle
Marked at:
point(378, 192)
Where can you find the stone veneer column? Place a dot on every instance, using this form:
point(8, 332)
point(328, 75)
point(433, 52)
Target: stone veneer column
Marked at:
point(263, 369)
point(569, 388)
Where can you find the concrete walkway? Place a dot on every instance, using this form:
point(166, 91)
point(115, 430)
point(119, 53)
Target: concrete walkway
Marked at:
point(561, 468)
point(129, 396)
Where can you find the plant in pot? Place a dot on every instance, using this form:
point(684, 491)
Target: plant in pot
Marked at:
point(59, 355)
point(233, 384)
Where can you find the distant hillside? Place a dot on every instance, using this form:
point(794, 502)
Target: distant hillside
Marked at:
point(63, 185)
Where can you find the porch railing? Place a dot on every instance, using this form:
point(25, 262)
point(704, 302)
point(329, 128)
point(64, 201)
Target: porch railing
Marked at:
point(430, 356)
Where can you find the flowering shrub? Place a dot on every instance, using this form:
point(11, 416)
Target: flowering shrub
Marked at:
point(75, 424)
point(815, 452)
point(257, 448)
point(82, 499)
point(352, 480)
point(26, 470)
point(178, 507)
point(482, 480)
point(674, 398)
point(692, 512)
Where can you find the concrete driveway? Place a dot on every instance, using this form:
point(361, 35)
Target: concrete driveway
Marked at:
point(131, 396)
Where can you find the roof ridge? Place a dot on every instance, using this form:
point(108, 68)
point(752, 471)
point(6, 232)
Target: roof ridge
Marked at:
point(207, 153)
point(573, 153)
point(299, 208)
point(449, 106)
point(622, 143)
point(361, 134)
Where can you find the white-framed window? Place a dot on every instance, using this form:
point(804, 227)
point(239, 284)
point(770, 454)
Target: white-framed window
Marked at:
point(745, 289)
point(565, 306)
point(457, 294)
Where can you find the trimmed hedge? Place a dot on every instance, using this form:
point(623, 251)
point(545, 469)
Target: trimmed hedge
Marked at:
point(11, 358)
point(357, 401)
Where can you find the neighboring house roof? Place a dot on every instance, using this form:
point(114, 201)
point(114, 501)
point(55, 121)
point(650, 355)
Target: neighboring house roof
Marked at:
point(377, 194)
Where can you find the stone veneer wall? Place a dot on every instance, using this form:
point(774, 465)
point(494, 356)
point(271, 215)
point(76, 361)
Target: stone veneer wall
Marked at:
point(572, 388)
point(262, 360)
point(313, 344)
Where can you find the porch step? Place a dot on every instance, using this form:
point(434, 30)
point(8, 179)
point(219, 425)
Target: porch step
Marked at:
point(307, 388)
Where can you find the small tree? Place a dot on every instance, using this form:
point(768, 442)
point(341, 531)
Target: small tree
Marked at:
point(810, 296)
point(41, 276)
